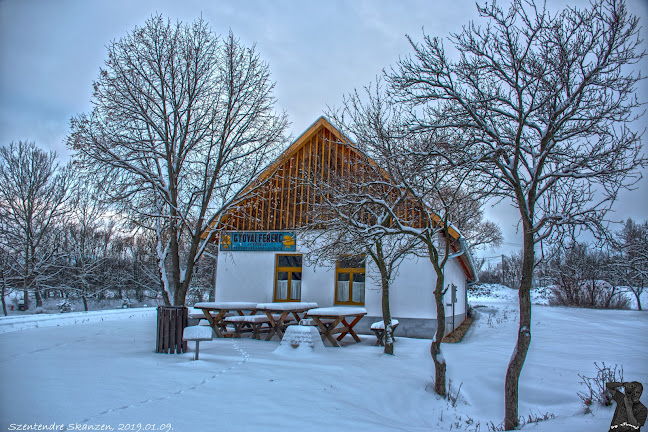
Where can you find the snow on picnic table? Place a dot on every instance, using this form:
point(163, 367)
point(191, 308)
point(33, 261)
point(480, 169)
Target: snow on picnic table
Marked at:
point(106, 373)
point(226, 305)
point(284, 306)
point(337, 311)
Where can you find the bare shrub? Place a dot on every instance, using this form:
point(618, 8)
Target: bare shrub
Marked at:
point(453, 396)
point(596, 392)
point(597, 294)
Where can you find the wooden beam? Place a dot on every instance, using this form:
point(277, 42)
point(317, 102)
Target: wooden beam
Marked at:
point(308, 176)
point(302, 179)
point(275, 183)
point(292, 197)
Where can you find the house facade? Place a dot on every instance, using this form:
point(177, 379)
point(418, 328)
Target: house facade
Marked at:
point(264, 257)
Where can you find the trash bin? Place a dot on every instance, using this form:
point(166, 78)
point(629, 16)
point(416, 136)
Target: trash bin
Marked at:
point(171, 322)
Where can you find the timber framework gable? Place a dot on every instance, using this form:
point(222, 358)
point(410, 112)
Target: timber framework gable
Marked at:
point(282, 196)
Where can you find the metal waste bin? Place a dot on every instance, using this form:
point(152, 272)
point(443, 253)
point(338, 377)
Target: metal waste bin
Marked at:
point(171, 322)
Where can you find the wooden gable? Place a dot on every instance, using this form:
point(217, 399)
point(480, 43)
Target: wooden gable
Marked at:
point(281, 197)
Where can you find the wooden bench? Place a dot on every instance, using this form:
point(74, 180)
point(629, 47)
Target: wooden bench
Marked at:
point(241, 322)
point(216, 312)
point(197, 333)
point(252, 322)
point(379, 329)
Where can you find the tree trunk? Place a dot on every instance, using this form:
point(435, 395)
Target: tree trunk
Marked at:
point(524, 336)
point(212, 291)
point(177, 282)
point(4, 303)
point(435, 348)
point(637, 294)
point(385, 276)
point(181, 294)
point(389, 332)
point(386, 313)
point(39, 299)
point(165, 297)
point(4, 290)
point(379, 259)
point(161, 267)
point(439, 368)
point(26, 285)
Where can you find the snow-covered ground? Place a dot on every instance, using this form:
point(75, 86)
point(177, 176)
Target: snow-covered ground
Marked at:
point(26, 321)
point(82, 373)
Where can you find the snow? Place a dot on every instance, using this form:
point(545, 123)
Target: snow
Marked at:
point(380, 325)
point(337, 311)
point(200, 333)
point(22, 322)
point(196, 313)
point(227, 305)
point(101, 369)
point(248, 318)
point(283, 306)
point(300, 340)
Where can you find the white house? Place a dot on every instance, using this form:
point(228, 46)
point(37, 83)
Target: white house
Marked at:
point(261, 254)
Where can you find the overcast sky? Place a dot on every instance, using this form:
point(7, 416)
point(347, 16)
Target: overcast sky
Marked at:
point(51, 51)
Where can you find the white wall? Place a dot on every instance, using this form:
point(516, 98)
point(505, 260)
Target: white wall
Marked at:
point(245, 276)
point(249, 276)
point(412, 291)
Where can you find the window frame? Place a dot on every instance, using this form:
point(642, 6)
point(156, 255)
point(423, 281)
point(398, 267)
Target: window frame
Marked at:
point(351, 271)
point(290, 271)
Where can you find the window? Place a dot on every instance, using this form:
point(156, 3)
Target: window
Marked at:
point(288, 277)
point(350, 280)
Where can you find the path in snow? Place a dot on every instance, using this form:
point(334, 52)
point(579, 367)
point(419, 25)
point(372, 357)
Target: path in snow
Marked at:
point(180, 392)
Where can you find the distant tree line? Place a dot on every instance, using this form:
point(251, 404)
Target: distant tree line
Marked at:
point(587, 275)
point(59, 238)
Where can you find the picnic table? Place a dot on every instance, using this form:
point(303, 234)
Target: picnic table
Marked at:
point(329, 319)
point(278, 314)
point(215, 312)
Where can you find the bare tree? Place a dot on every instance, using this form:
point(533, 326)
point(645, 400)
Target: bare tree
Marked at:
point(131, 264)
point(549, 97)
point(8, 277)
point(33, 199)
point(182, 121)
point(89, 234)
point(468, 216)
point(356, 226)
point(417, 189)
point(586, 277)
point(631, 262)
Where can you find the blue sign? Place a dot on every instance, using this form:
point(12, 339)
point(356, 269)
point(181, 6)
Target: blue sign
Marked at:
point(258, 241)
